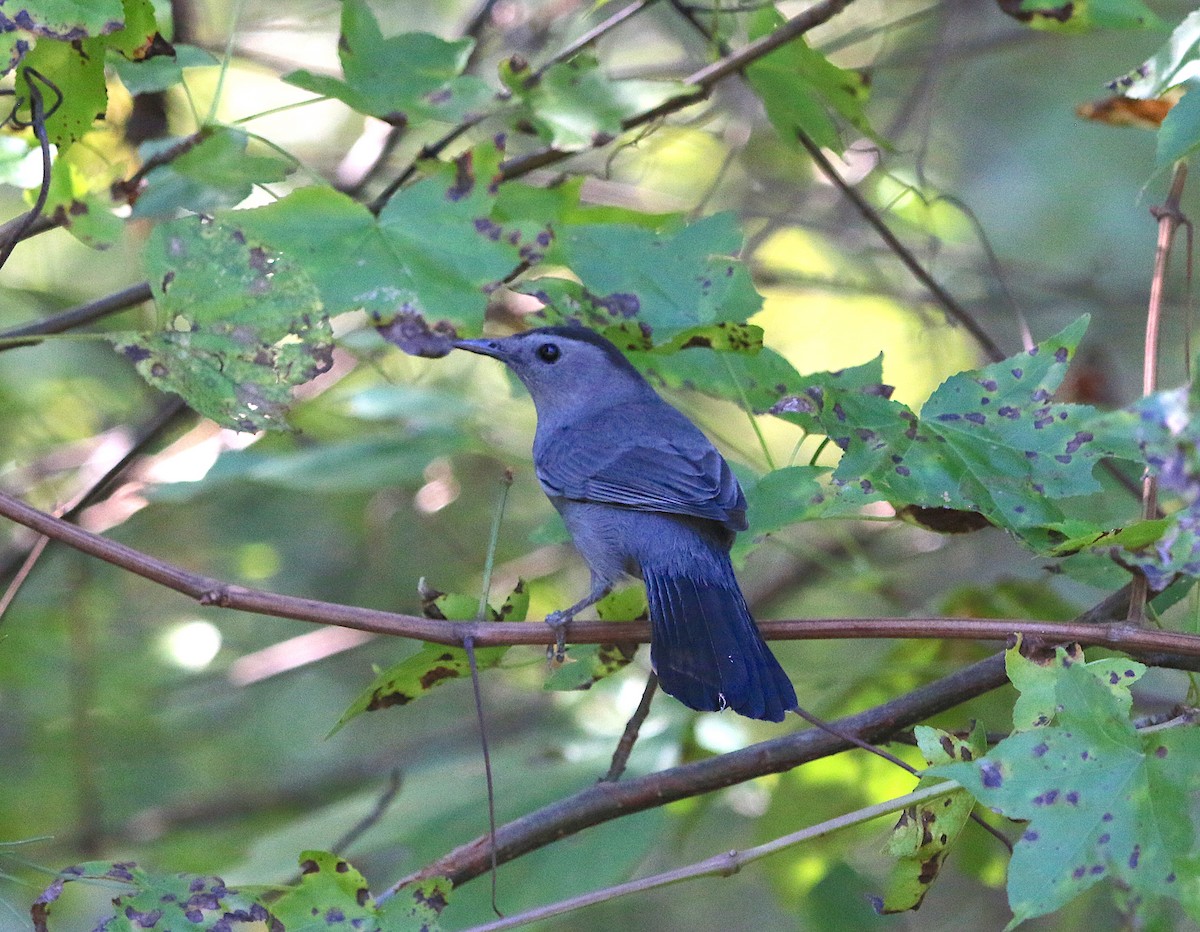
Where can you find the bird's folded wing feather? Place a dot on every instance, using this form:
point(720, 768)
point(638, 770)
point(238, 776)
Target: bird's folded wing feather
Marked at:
point(606, 462)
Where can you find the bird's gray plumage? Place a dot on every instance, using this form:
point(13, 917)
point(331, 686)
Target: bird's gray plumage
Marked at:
point(643, 492)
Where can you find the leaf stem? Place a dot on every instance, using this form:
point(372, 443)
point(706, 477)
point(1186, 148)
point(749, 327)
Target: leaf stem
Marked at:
point(1169, 218)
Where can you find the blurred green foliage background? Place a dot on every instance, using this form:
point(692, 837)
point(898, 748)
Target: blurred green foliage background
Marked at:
point(134, 724)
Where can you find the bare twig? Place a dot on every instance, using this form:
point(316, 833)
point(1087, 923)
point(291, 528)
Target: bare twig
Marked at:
point(372, 818)
point(721, 865)
point(145, 436)
point(701, 82)
point(1169, 220)
point(76, 316)
point(600, 29)
point(629, 736)
point(902, 252)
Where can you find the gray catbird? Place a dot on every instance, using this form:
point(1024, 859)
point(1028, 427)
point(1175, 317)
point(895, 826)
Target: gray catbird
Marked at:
point(644, 493)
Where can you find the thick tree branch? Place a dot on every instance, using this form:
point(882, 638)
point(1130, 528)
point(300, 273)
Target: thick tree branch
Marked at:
point(602, 802)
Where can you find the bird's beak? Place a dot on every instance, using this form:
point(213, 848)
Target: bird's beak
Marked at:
point(482, 347)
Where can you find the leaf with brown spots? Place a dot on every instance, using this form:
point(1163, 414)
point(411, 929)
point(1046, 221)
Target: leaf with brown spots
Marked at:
point(589, 663)
point(416, 907)
point(240, 325)
point(332, 895)
point(435, 664)
point(1080, 15)
point(1102, 800)
point(990, 441)
point(150, 900)
point(924, 833)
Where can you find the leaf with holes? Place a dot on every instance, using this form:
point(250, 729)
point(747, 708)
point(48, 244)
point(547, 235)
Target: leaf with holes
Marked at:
point(241, 326)
point(573, 105)
point(1102, 800)
point(990, 441)
point(402, 79)
point(434, 254)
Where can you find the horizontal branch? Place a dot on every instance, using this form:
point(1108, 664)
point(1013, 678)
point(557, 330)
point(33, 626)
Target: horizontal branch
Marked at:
point(1169, 647)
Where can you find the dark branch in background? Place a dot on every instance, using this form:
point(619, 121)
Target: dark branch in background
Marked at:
point(629, 736)
point(78, 316)
point(944, 298)
point(604, 801)
point(37, 119)
point(144, 436)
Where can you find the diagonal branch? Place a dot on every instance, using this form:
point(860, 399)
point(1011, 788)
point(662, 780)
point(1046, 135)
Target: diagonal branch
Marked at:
point(77, 316)
point(604, 801)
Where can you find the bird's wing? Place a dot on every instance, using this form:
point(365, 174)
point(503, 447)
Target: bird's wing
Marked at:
point(667, 466)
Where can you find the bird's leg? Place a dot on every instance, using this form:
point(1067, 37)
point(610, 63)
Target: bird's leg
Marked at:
point(560, 619)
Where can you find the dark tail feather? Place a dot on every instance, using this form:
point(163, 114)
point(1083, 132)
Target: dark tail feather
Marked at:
point(706, 649)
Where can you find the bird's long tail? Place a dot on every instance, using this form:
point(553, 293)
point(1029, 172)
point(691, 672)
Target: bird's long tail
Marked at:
point(705, 647)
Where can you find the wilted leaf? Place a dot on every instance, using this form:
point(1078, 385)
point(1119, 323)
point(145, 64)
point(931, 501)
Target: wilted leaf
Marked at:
point(434, 664)
point(925, 832)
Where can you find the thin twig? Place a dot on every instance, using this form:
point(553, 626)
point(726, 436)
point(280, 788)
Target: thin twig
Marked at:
point(76, 316)
point(700, 82)
point(469, 646)
point(629, 736)
point(721, 865)
point(1169, 219)
point(574, 48)
point(902, 252)
point(382, 804)
point(147, 434)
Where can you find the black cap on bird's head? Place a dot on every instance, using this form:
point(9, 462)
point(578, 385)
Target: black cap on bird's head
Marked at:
point(561, 363)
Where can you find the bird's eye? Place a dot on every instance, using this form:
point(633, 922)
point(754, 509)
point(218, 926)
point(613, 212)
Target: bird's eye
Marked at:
point(549, 352)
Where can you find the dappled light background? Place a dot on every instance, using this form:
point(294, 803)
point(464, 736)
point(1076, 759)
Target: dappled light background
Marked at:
point(135, 723)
